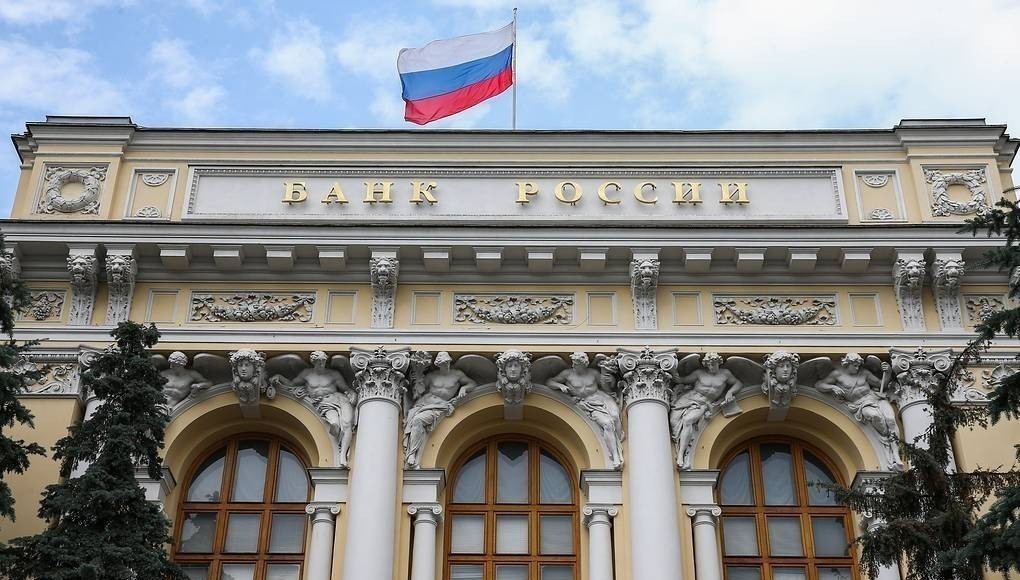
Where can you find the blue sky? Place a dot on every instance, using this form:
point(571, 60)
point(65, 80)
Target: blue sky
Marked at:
point(628, 64)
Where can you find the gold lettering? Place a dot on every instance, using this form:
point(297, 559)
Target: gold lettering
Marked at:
point(602, 192)
point(524, 189)
point(574, 188)
point(639, 192)
point(378, 191)
point(421, 191)
point(687, 192)
point(335, 195)
point(733, 192)
point(294, 192)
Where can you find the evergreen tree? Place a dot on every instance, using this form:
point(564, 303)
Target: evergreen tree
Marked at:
point(102, 525)
point(14, 453)
point(930, 511)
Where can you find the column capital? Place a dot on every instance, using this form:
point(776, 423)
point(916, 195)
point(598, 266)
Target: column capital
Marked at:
point(704, 513)
point(917, 371)
point(646, 375)
point(598, 513)
point(320, 510)
point(426, 512)
point(380, 374)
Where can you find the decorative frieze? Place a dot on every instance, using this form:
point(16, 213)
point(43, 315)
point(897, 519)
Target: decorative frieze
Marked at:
point(775, 310)
point(383, 271)
point(942, 205)
point(646, 375)
point(380, 374)
point(252, 307)
point(81, 264)
point(44, 305)
point(514, 308)
point(644, 281)
point(980, 306)
point(52, 199)
point(908, 277)
point(121, 270)
point(946, 273)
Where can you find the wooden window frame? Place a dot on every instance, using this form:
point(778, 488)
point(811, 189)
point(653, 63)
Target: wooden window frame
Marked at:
point(802, 510)
point(266, 509)
point(490, 509)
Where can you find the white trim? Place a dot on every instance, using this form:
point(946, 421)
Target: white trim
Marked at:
point(329, 307)
point(414, 307)
point(152, 295)
point(171, 173)
point(894, 177)
point(612, 301)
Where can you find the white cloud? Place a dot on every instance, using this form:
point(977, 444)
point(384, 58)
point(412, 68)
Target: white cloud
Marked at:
point(194, 95)
point(297, 59)
point(199, 104)
point(57, 80)
point(370, 48)
point(44, 11)
point(175, 63)
point(538, 71)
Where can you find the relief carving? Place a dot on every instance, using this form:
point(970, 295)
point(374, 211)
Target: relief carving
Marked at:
point(942, 205)
point(45, 305)
point(433, 396)
point(249, 380)
point(513, 376)
point(82, 267)
point(384, 272)
point(91, 178)
point(644, 280)
point(946, 274)
point(596, 397)
point(513, 309)
point(181, 382)
point(908, 277)
point(10, 265)
point(380, 373)
point(776, 310)
point(881, 214)
point(875, 179)
point(780, 384)
point(155, 179)
point(121, 270)
point(149, 211)
point(701, 391)
point(252, 307)
point(980, 308)
point(646, 375)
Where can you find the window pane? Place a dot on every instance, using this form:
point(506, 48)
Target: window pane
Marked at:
point(205, 486)
point(742, 573)
point(817, 472)
point(470, 486)
point(242, 533)
point(291, 481)
point(777, 474)
point(511, 573)
point(250, 473)
point(830, 536)
point(555, 483)
point(238, 572)
point(512, 473)
point(197, 532)
point(557, 536)
point(834, 573)
point(511, 534)
point(467, 535)
point(788, 573)
point(740, 537)
point(557, 573)
point(735, 488)
point(465, 573)
point(288, 534)
point(784, 537)
point(196, 572)
point(283, 572)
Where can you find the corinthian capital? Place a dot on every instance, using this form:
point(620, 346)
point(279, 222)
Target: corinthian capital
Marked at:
point(646, 374)
point(380, 373)
point(917, 372)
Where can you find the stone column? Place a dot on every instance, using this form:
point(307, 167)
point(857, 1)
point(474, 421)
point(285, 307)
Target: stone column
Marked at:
point(598, 518)
point(425, 518)
point(917, 373)
point(92, 403)
point(156, 490)
point(371, 521)
point(865, 481)
point(704, 519)
point(652, 498)
point(320, 547)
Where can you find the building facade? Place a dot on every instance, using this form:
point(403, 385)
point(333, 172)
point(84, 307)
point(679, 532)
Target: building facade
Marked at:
point(554, 355)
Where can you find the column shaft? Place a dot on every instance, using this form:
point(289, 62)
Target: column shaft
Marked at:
point(320, 548)
point(423, 554)
point(707, 564)
point(600, 542)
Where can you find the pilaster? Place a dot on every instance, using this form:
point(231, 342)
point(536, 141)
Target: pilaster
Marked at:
point(947, 271)
point(644, 281)
point(908, 278)
point(121, 271)
point(384, 268)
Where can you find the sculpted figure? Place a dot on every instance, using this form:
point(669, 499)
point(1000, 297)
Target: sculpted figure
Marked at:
point(645, 274)
point(181, 382)
point(437, 394)
point(513, 376)
point(781, 377)
point(910, 272)
point(582, 383)
point(249, 369)
point(706, 386)
point(82, 269)
point(855, 386)
point(331, 396)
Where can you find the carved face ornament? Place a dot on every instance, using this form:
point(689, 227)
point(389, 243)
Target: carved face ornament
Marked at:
point(80, 269)
point(178, 359)
point(647, 274)
point(514, 370)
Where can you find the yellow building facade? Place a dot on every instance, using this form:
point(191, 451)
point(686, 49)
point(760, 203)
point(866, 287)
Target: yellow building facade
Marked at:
point(527, 355)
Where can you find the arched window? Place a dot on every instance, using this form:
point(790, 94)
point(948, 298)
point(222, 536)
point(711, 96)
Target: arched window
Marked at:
point(775, 525)
point(511, 514)
point(242, 514)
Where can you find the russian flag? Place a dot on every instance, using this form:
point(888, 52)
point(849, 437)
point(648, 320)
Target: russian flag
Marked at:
point(445, 77)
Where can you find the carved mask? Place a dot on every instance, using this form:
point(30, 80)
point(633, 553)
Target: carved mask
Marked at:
point(514, 370)
point(246, 369)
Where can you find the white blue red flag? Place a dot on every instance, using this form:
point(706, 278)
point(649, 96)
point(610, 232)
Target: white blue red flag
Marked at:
point(445, 77)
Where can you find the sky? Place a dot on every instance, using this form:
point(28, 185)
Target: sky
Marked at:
point(582, 64)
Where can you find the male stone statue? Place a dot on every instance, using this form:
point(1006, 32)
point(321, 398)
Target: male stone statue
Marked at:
point(440, 391)
point(582, 382)
point(331, 396)
point(180, 380)
point(707, 386)
point(854, 385)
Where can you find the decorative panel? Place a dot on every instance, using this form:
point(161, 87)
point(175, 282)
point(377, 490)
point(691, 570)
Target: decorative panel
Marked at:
point(425, 307)
point(865, 310)
point(504, 308)
point(152, 194)
point(162, 306)
point(251, 306)
point(45, 305)
point(602, 309)
point(978, 306)
point(341, 307)
point(879, 197)
point(956, 191)
point(789, 310)
point(687, 309)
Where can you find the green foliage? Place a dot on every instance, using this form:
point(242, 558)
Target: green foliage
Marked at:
point(102, 525)
point(14, 453)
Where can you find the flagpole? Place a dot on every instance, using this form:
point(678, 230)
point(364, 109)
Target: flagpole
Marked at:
point(513, 66)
